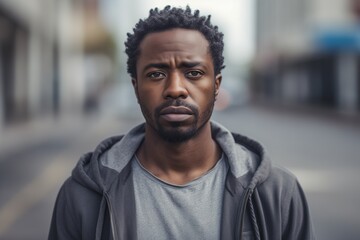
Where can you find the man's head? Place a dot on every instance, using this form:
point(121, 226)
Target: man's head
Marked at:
point(175, 76)
point(168, 18)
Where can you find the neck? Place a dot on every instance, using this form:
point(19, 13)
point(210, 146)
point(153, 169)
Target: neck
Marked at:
point(179, 162)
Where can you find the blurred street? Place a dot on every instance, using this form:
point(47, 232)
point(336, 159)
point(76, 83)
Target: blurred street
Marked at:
point(64, 87)
point(322, 152)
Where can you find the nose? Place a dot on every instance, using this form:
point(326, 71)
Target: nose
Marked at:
point(175, 86)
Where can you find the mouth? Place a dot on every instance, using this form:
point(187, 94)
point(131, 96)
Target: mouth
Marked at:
point(176, 110)
point(176, 113)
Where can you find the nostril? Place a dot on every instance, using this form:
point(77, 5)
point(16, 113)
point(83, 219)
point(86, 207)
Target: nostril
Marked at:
point(175, 97)
point(176, 94)
point(174, 88)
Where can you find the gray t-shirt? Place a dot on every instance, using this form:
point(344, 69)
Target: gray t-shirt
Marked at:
point(168, 211)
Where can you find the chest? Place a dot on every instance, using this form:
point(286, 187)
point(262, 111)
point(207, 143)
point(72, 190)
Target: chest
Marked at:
point(165, 211)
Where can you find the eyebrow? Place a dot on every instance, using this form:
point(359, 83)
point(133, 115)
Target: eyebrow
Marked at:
point(156, 65)
point(164, 65)
point(190, 64)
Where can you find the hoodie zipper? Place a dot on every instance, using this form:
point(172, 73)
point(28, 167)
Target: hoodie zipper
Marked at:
point(241, 212)
point(112, 220)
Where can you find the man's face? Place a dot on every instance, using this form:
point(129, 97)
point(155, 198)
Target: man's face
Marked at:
point(175, 85)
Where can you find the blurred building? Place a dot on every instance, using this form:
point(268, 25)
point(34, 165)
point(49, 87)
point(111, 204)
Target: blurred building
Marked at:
point(308, 53)
point(100, 56)
point(50, 53)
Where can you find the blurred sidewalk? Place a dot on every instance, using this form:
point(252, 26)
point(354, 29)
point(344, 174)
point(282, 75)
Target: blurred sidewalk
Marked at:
point(36, 131)
point(46, 129)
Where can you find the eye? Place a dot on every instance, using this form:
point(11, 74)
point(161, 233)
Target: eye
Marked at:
point(194, 74)
point(156, 75)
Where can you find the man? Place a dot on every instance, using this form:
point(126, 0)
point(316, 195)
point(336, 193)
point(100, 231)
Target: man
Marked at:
point(179, 175)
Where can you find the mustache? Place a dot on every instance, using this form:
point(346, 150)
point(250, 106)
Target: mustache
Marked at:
point(176, 103)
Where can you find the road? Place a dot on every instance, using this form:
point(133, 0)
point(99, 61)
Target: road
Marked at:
point(322, 152)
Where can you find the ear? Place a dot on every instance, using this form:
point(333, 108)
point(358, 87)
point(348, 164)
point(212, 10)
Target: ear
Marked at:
point(218, 79)
point(135, 86)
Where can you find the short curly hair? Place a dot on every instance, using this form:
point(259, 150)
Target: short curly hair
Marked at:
point(168, 18)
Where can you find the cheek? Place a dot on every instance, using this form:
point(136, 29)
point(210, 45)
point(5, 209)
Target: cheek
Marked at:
point(148, 97)
point(204, 94)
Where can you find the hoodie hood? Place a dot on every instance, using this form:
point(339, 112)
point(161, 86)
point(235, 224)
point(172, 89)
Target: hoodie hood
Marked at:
point(98, 170)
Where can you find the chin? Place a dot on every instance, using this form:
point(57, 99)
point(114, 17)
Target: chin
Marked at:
point(177, 133)
point(177, 136)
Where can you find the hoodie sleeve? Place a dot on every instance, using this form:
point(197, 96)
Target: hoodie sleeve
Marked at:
point(64, 224)
point(297, 223)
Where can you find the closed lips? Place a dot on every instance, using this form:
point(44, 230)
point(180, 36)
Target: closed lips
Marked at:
point(176, 114)
point(175, 110)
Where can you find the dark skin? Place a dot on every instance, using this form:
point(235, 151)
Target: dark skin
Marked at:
point(176, 89)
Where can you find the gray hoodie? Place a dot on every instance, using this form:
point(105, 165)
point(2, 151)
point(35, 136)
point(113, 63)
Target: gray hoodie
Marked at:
point(260, 201)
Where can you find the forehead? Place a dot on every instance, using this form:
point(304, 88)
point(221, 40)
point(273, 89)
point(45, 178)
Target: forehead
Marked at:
point(175, 42)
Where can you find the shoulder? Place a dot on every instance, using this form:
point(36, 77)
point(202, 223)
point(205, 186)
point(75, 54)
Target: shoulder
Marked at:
point(78, 203)
point(281, 176)
point(285, 194)
point(75, 212)
point(280, 190)
point(77, 197)
point(72, 188)
point(280, 183)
